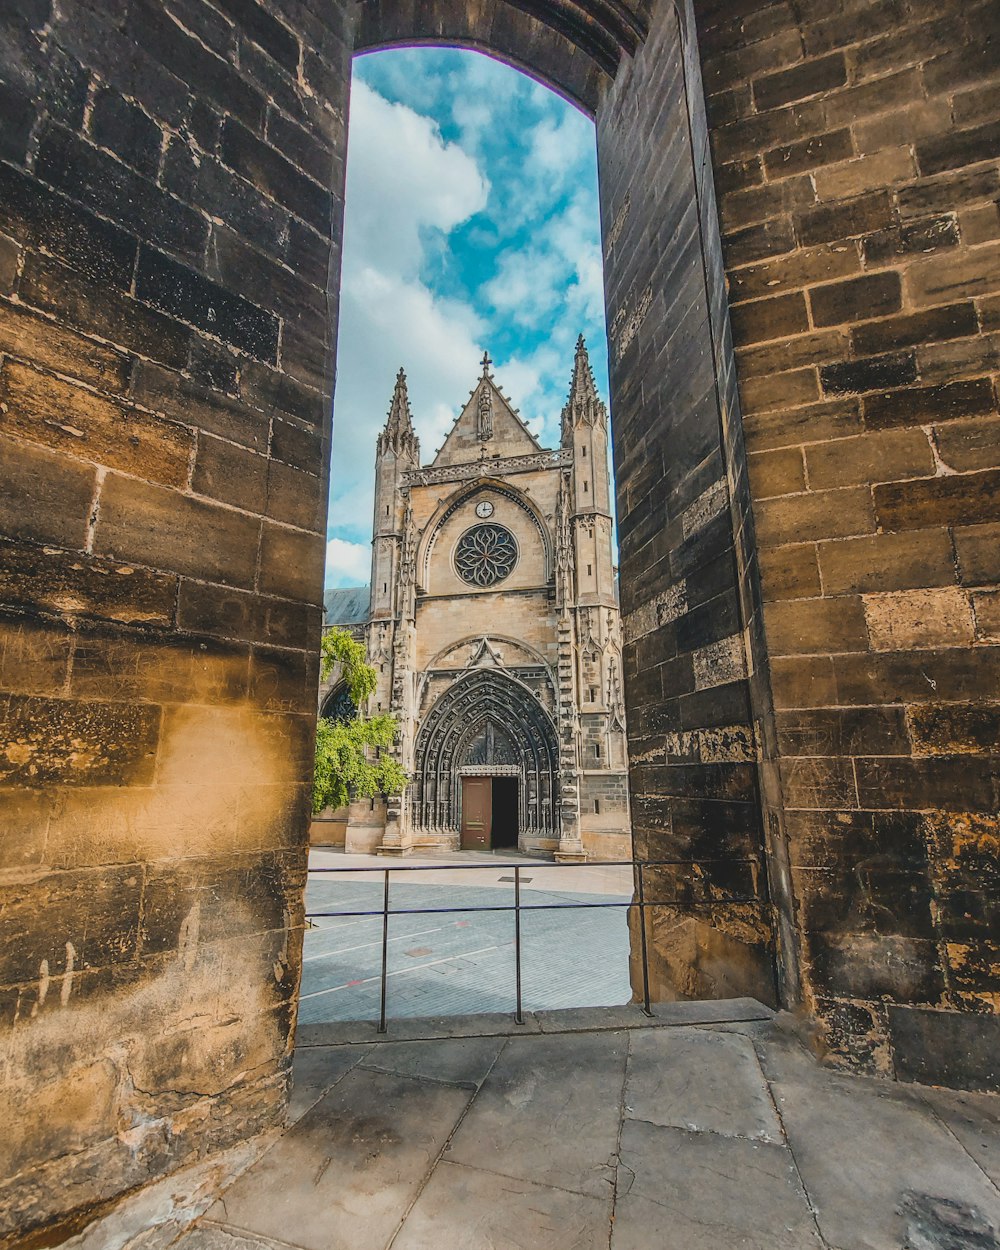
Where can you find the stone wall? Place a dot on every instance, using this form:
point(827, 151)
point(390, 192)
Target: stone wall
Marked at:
point(170, 179)
point(856, 161)
point(685, 608)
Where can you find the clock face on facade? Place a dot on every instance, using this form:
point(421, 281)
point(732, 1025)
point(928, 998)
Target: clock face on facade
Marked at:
point(485, 555)
point(484, 509)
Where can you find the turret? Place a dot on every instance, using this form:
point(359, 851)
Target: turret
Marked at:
point(585, 431)
point(397, 452)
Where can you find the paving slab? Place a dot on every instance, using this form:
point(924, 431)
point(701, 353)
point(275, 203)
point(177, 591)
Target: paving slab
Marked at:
point(549, 1112)
point(317, 1069)
point(476, 1210)
point(881, 1169)
point(419, 1028)
point(456, 1061)
point(212, 1237)
point(701, 1081)
point(344, 1175)
point(701, 1191)
point(975, 1121)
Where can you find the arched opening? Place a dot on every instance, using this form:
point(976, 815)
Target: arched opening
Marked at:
point(171, 190)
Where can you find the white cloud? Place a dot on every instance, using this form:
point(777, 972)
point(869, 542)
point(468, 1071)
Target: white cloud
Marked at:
point(402, 180)
point(347, 564)
point(406, 187)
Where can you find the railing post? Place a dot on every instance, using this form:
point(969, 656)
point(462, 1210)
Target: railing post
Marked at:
point(645, 955)
point(518, 1015)
point(385, 951)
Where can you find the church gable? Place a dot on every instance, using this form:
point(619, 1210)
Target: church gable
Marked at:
point(487, 426)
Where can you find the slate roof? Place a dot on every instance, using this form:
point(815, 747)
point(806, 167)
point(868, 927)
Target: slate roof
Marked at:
point(347, 605)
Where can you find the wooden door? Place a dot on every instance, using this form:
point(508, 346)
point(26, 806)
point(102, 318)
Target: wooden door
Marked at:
point(477, 813)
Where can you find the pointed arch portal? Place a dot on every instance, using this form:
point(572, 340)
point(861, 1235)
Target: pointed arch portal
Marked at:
point(486, 724)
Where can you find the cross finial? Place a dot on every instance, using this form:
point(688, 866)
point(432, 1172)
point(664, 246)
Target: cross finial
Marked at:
point(486, 364)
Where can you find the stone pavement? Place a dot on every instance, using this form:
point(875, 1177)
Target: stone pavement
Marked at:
point(458, 963)
point(708, 1128)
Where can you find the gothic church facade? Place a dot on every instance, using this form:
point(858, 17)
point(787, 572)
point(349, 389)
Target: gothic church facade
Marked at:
point(494, 628)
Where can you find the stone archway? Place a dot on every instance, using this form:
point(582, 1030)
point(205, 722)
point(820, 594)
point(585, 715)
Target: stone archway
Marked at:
point(486, 719)
point(809, 584)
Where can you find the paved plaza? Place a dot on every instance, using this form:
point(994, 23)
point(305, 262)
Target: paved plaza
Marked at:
point(709, 1128)
point(462, 962)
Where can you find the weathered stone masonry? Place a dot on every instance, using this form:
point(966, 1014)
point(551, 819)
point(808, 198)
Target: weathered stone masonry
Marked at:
point(169, 216)
point(811, 620)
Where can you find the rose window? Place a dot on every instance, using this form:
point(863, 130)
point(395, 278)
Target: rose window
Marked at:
point(485, 555)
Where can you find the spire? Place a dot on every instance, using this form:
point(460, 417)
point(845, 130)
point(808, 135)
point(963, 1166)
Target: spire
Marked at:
point(398, 433)
point(583, 404)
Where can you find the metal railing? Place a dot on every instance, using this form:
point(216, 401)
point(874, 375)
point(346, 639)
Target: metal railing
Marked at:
point(637, 901)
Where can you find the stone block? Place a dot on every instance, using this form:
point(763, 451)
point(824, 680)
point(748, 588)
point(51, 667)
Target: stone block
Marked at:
point(190, 297)
point(34, 658)
point(911, 329)
point(227, 472)
point(829, 223)
point(44, 343)
point(815, 515)
point(916, 238)
point(779, 472)
point(923, 405)
point(814, 423)
point(90, 306)
point(59, 742)
point(34, 215)
point(859, 299)
point(986, 609)
point(875, 373)
point(959, 148)
point(291, 564)
point(790, 572)
point(966, 499)
point(961, 274)
point(919, 618)
point(229, 613)
point(978, 551)
point(164, 529)
point(808, 154)
point(768, 319)
point(945, 1047)
point(842, 731)
point(79, 423)
point(47, 497)
point(890, 455)
point(765, 394)
point(98, 925)
point(815, 626)
point(864, 173)
point(812, 77)
point(782, 355)
point(123, 128)
point(954, 728)
point(971, 444)
point(886, 562)
point(803, 681)
point(74, 583)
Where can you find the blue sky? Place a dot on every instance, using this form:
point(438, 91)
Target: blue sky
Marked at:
point(471, 223)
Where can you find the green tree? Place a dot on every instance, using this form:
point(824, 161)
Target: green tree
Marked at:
point(352, 759)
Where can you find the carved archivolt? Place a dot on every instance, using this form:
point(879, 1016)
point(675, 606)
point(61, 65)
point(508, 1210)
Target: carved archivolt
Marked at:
point(487, 721)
